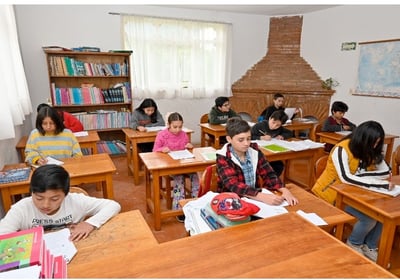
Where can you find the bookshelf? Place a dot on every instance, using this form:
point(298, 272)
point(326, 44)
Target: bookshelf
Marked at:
point(94, 86)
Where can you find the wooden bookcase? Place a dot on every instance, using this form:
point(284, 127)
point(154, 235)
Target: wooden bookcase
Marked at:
point(95, 86)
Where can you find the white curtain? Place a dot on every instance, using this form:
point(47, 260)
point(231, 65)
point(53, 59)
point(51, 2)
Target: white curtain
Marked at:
point(15, 101)
point(175, 58)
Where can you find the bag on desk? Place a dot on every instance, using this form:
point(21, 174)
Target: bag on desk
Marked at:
point(232, 207)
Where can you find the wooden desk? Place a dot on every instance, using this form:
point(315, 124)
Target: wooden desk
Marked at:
point(86, 169)
point(284, 246)
point(89, 141)
point(297, 126)
point(133, 138)
point(126, 231)
point(310, 154)
point(383, 208)
point(216, 130)
point(160, 164)
point(333, 138)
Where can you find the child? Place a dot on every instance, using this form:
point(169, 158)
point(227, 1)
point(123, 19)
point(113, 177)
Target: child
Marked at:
point(52, 206)
point(358, 160)
point(69, 121)
point(173, 138)
point(221, 112)
point(337, 121)
point(272, 128)
point(50, 138)
point(146, 115)
point(279, 101)
point(240, 165)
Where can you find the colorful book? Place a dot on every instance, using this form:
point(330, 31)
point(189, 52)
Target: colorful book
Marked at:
point(275, 148)
point(216, 221)
point(21, 249)
point(15, 175)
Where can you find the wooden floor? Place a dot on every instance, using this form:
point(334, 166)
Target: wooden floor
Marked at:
point(132, 196)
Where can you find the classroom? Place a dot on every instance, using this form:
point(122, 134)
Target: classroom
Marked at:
point(326, 29)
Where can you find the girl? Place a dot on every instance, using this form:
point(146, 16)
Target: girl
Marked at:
point(146, 115)
point(50, 138)
point(358, 160)
point(173, 138)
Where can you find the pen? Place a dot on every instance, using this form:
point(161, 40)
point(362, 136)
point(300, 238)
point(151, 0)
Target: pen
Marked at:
point(262, 132)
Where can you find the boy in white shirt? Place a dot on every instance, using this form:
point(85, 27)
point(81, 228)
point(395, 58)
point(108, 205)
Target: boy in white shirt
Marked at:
point(52, 206)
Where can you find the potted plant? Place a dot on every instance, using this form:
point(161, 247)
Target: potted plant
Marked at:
point(329, 83)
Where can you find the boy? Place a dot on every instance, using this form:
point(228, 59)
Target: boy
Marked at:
point(337, 121)
point(221, 112)
point(272, 128)
point(52, 206)
point(278, 105)
point(240, 164)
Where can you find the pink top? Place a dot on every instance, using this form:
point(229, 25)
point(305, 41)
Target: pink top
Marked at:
point(174, 142)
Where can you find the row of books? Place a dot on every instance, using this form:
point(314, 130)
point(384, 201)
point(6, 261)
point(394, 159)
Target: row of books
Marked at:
point(68, 66)
point(24, 254)
point(104, 119)
point(15, 175)
point(120, 93)
point(115, 147)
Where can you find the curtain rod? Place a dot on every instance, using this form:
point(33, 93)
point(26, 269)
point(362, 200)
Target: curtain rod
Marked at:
point(128, 14)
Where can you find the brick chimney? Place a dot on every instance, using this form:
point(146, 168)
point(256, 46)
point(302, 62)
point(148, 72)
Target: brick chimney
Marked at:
point(283, 70)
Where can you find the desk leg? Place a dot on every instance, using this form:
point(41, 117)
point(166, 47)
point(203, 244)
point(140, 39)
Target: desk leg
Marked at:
point(156, 200)
point(339, 231)
point(108, 187)
point(148, 189)
point(216, 143)
point(128, 153)
point(6, 196)
point(135, 155)
point(389, 149)
point(203, 138)
point(386, 243)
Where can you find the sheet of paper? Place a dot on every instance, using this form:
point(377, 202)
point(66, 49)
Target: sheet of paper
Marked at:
point(182, 154)
point(59, 244)
point(312, 217)
point(265, 209)
point(290, 112)
point(51, 160)
point(343, 132)
point(394, 192)
point(81, 133)
point(30, 272)
point(155, 128)
point(209, 155)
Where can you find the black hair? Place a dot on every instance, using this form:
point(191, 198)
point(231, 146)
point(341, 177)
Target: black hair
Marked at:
point(49, 177)
point(53, 115)
point(174, 117)
point(219, 101)
point(278, 95)
point(339, 106)
point(363, 140)
point(279, 115)
point(147, 103)
point(236, 125)
point(40, 106)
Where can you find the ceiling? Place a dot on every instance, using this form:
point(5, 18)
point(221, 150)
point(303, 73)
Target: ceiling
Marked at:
point(268, 10)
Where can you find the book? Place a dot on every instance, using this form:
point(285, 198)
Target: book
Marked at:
point(15, 175)
point(209, 155)
point(21, 249)
point(182, 154)
point(275, 148)
point(394, 192)
point(59, 244)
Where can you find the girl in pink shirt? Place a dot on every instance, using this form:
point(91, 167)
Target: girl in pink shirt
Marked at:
point(173, 138)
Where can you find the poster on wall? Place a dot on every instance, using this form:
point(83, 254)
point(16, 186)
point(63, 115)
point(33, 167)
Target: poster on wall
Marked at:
point(379, 69)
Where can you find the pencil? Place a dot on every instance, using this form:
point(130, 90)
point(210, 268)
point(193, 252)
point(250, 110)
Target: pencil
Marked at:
point(262, 132)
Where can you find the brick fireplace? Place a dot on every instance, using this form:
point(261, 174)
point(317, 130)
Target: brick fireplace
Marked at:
point(282, 70)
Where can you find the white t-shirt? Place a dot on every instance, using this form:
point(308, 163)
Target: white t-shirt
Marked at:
point(74, 209)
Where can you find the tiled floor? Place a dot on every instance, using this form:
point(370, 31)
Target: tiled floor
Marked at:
point(132, 196)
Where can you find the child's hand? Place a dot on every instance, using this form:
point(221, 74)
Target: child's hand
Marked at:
point(265, 137)
point(279, 137)
point(165, 150)
point(270, 199)
point(80, 231)
point(189, 146)
point(141, 128)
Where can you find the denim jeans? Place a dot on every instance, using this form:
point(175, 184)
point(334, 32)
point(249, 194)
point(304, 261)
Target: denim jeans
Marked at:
point(366, 230)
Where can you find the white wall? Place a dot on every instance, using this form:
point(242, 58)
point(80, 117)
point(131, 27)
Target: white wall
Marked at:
point(323, 33)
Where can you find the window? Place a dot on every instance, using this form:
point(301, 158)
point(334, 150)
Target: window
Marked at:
point(15, 101)
point(175, 58)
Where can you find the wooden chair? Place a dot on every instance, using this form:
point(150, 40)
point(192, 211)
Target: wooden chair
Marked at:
point(396, 161)
point(204, 118)
point(313, 133)
point(209, 140)
point(320, 165)
point(208, 181)
point(245, 116)
point(75, 189)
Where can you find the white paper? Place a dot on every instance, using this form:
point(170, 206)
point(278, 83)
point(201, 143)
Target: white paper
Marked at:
point(344, 132)
point(59, 244)
point(182, 154)
point(291, 145)
point(154, 128)
point(51, 160)
point(312, 217)
point(290, 112)
point(209, 155)
point(30, 272)
point(81, 133)
point(394, 192)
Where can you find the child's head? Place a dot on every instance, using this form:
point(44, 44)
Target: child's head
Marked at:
point(367, 142)
point(238, 134)
point(338, 109)
point(279, 100)
point(277, 119)
point(175, 123)
point(222, 103)
point(49, 185)
point(49, 121)
point(41, 105)
point(148, 107)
